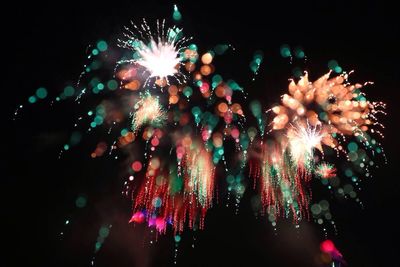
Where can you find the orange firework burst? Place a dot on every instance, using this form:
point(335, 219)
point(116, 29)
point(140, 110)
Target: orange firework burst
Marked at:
point(341, 108)
point(312, 114)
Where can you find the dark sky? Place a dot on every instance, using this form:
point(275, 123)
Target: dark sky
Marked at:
point(45, 45)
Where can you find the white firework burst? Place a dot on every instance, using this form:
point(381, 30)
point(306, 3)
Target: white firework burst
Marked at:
point(159, 53)
point(303, 139)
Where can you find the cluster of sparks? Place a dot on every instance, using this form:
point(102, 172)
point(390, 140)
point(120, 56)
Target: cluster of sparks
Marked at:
point(148, 111)
point(325, 170)
point(160, 56)
point(185, 113)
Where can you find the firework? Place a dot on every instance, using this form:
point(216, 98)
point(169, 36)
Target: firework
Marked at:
point(184, 129)
point(179, 189)
point(198, 181)
point(199, 169)
point(148, 111)
point(282, 182)
point(311, 116)
point(184, 192)
point(342, 108)
point(159, 53)
point(302, 141)
point(284, 169)
point(325, 170)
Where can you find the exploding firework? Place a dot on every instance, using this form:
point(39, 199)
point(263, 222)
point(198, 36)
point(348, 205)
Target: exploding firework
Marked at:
point(325, 170)
point(312, 117)
point(342, 109)
point(160, 53)
point(186, 191)
point(284, 169)
point(303, 139)
point(183, 186)
point(148, 111)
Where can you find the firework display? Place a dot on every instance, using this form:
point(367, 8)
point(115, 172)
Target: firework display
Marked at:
point(186, 137)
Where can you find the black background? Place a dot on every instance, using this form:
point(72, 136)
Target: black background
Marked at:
point(45, 45)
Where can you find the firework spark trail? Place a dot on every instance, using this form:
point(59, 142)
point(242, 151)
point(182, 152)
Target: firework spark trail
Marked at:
point(173, 199)
point(198, 176)
point(283, 181)
point(199, 168)
point(285, 170)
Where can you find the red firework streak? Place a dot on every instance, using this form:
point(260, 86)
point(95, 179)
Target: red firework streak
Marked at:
point(167, 199)
point(283, 184)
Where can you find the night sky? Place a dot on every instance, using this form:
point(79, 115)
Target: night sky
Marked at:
point(45, 45)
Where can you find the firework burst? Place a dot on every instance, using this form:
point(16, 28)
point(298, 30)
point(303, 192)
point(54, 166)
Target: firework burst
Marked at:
point(342, 109)
point(177, 193)
point(325, 170)
point(183, 186)
point(312, 116)
point(148, 111)
point(302, 140)
point(160, 53)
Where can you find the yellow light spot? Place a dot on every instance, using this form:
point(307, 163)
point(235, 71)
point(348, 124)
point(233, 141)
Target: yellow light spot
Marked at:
point(206, 58)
